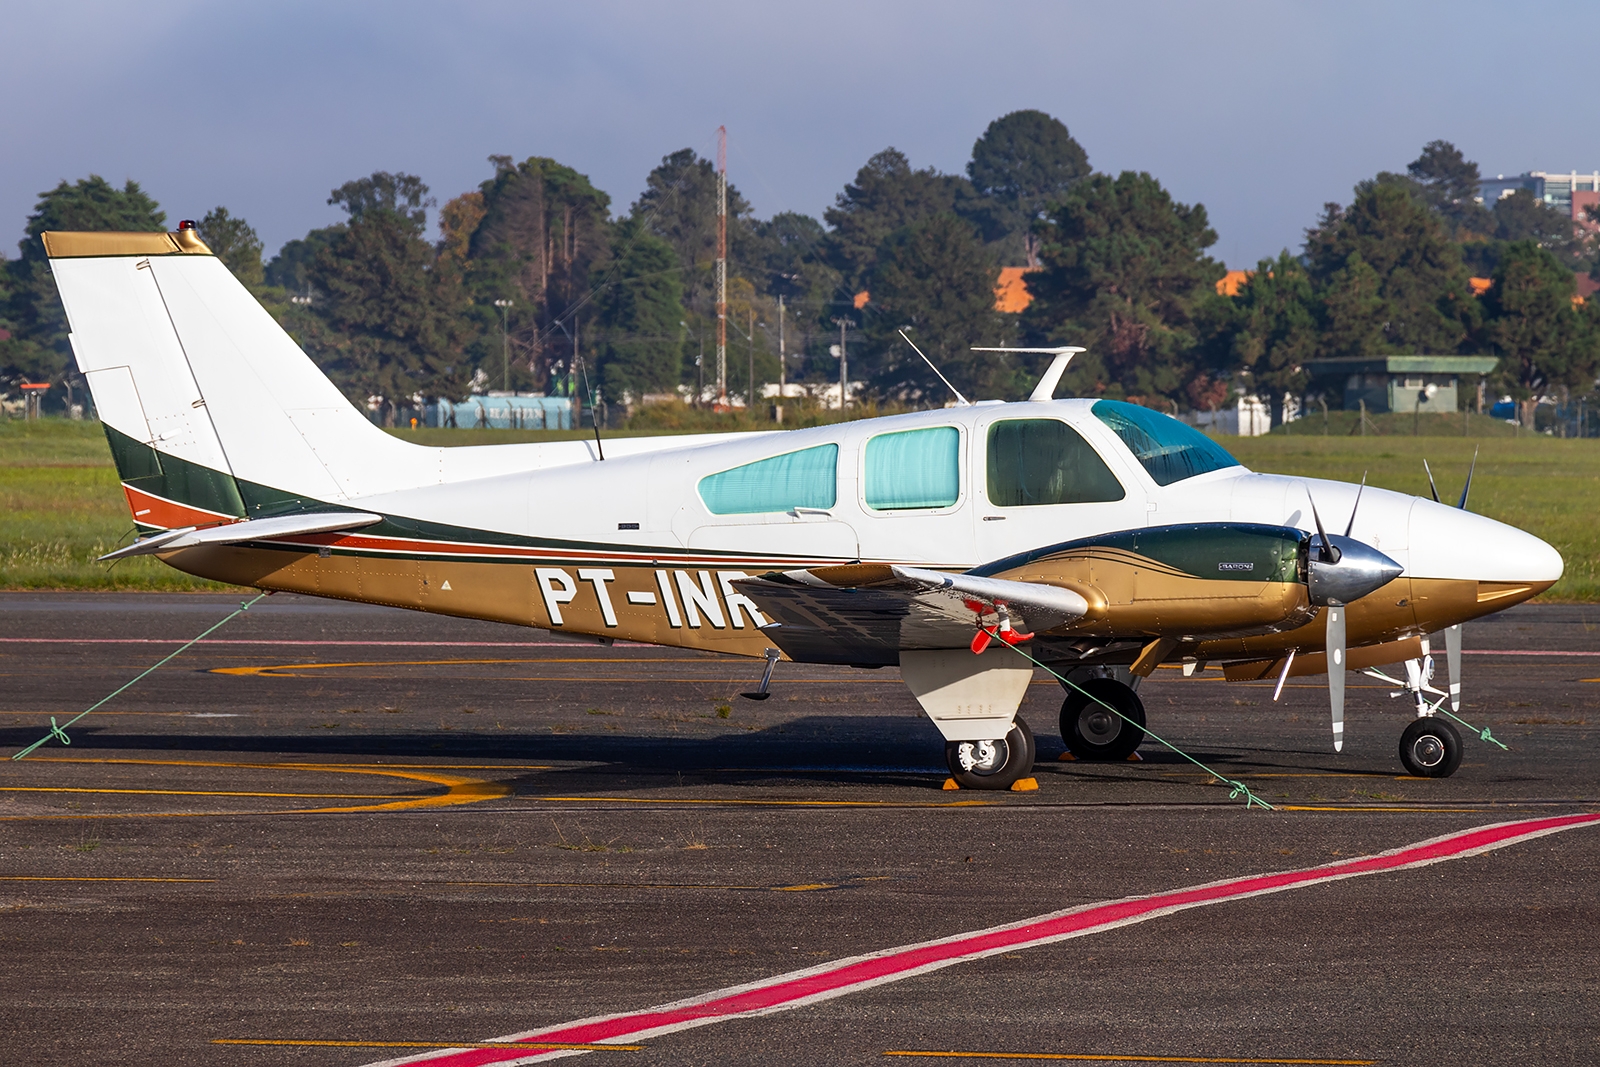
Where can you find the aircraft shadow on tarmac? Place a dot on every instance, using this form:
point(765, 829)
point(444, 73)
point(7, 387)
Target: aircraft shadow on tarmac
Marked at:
point(800, 749)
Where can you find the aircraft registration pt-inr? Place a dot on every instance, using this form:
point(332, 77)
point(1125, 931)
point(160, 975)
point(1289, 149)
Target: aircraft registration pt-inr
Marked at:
point(1094, 538)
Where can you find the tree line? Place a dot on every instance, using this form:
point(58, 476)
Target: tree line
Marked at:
point(534, 282)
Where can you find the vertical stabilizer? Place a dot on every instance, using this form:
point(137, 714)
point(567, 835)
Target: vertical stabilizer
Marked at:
point(196, 381)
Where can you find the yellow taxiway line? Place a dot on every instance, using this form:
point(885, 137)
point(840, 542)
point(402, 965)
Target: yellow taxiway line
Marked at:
point(191, 792)
point(458, 790)
point(772, 803)
point(63, 878)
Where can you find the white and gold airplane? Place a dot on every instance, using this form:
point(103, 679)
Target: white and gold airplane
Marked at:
point(1095, 537)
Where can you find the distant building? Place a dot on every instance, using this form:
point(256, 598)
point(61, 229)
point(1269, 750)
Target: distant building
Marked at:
point(1010, 292)
point(1428, 384)
point(1230, 283)
point(1568, 193)
point(502, 411)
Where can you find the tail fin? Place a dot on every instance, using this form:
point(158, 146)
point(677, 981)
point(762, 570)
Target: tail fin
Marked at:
point(210, 407)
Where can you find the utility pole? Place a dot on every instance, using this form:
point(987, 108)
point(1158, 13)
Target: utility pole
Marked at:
point(751, 337)
point(699, 364)
point(722, 267)
point(844, 363)
point(778, 410)
point(505, 345)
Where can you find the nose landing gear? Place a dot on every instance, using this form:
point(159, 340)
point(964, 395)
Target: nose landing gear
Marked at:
point(1430, 748)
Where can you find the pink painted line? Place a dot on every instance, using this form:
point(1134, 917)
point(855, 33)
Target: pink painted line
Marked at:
point(264, 641)
point(1520, 652)
point(799, 988)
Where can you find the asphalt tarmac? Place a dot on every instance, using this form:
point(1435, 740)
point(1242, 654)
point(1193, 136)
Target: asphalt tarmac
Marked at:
point(336, 835)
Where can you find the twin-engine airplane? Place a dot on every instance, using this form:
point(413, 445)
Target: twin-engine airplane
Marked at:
point(1101, 538)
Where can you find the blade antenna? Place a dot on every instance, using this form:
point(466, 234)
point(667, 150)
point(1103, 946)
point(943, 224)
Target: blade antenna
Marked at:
point(964, 401)
point(1434, 489)
point(1351, 525)
point(1465, 489)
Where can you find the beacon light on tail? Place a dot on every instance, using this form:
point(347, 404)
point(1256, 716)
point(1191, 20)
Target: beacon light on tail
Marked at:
point(1102, 538)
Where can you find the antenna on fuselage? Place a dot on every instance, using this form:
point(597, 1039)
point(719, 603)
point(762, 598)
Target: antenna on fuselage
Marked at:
point(964, 401)
point(1046, 389)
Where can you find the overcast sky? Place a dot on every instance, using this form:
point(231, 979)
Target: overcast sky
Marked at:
point(1260, 111)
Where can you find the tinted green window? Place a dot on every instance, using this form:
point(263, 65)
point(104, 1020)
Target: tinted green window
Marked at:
point(1044, 461)
point(1169, 450)
point(914, 469)
point(805, 479)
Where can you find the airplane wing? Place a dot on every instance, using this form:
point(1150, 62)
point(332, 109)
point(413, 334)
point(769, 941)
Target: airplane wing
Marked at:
point(866, 614)
point(233, 533)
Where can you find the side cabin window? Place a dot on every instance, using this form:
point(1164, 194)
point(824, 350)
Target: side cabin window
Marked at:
point(808, 478)
point(1045, 461)
point(913, 469)
point(1169, 450)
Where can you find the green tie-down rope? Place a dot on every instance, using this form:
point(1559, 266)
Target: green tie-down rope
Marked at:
point(1238, 787)
point(60, 732)
point(1483, 734)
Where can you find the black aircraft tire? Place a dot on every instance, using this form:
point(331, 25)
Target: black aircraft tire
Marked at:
point(1430, 748)
point(1010, 759)
point(1091, 732)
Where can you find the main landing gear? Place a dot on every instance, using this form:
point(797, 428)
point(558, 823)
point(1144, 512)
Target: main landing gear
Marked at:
point(1092, 730)
point(991, 764)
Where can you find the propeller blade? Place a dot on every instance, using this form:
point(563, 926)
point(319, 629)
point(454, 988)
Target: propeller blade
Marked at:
point(1434, 489)
point(1465, 489)
point(1335, 646)
point(1324, 548)
point(1452, 658)
point(1351, 525)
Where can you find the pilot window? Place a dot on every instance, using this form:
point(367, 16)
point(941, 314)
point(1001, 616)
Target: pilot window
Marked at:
point(1044, 461)
point(1169, 450)
point(913, 469)
point(805, 479)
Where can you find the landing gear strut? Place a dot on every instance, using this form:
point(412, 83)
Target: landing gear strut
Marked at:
point(991, 764)
point(1093, 731)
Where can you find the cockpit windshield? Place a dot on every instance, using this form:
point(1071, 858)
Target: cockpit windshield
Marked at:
point(1169, 450)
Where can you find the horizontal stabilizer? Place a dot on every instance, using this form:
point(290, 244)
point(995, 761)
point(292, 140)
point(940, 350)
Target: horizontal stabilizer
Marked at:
point(249, 530)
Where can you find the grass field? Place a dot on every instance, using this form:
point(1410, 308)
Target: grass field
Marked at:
point(60, 504)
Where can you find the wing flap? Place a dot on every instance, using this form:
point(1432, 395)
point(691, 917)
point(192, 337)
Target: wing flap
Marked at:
point(866, 614)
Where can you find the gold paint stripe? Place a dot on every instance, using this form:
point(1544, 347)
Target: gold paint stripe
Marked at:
point(306, 1043)
point(1106, 1058)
